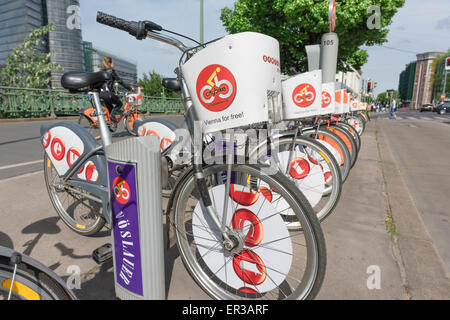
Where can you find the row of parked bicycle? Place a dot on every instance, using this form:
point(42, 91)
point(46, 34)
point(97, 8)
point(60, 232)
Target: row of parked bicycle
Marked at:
point(246, 218)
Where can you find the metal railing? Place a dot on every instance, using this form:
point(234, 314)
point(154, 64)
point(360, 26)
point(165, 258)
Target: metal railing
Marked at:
point(37, 103)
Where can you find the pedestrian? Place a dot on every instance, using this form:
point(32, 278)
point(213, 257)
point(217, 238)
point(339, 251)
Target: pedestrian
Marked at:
point(393, 108)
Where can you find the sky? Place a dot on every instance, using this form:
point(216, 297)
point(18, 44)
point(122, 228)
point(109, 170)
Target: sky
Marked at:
point(419, 26)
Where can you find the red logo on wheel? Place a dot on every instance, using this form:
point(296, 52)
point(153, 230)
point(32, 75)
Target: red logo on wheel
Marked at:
point(257, 275)
point(299, 168)
point(326, 99)
point(255, 231)
point(216, 87)
point(242, 197)
point(46, 139)
point(304, 95)
point(122, 190)
point(58, 149)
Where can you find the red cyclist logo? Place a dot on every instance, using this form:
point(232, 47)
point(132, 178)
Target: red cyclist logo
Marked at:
point(242, 197)
point(304, 95)
point(326, 99)
point(121, 190)
point(216, 87)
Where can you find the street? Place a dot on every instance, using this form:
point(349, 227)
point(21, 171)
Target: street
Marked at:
point(402, 174)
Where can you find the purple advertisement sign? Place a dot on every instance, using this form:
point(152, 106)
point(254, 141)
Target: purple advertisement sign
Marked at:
point(125, 219)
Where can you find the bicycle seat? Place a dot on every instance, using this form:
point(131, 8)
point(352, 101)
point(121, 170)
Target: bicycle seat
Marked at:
point(171, 84)
point(76, 81)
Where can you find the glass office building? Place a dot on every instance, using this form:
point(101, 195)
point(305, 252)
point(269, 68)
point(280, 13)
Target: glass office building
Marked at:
point(65, 42)
point(20, 17)
point(17, 19)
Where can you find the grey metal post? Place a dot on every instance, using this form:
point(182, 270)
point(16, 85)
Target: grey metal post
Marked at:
point(313, 53)
point(134, 170)
point(104, 131)
point(328, 56)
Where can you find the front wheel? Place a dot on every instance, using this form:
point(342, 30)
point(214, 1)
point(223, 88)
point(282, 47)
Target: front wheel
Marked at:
point(29, 283)
point(129, 122)
point(268, 261)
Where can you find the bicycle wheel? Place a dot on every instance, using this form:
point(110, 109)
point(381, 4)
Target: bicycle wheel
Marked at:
point(89, 126)
point(353, 132)
point(357, 124)
point(29, 283)
point(270, 261)
point(319, 178)
point(348, 140)
point(73, 205)
point(335, 145)
point(128, 121)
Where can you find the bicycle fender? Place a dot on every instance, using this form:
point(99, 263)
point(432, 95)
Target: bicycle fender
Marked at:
point(7, 253)
point(66, 145)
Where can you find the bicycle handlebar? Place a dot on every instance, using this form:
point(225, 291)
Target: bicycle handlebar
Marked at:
point(137, 29)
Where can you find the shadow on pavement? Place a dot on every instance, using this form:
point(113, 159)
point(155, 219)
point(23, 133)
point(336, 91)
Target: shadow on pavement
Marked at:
point(40, 228)
point(6, 241)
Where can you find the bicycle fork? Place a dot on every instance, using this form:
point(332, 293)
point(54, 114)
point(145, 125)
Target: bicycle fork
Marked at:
point(15, 260)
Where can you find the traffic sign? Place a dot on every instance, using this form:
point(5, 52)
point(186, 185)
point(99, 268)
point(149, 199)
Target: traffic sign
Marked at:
point(332, 15)
point(443, 96)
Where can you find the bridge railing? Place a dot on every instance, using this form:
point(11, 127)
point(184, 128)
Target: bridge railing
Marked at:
point(36, 103)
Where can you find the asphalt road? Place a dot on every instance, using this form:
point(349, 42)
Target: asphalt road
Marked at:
point(356, 236)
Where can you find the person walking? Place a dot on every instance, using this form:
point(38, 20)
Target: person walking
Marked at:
point(393, 108)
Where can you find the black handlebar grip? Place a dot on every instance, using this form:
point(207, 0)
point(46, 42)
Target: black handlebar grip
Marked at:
point(136, 29)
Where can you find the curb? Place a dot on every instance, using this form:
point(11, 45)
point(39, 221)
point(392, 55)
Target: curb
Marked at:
point(39, 119)
point(426, 274)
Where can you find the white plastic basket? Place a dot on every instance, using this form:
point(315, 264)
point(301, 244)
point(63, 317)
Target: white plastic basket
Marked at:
point(134, 99)
point(302, 95)
point(235, 81)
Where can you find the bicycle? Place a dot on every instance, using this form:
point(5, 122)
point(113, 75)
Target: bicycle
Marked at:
point(23, 278)
point(215, 207)
point(129, 114)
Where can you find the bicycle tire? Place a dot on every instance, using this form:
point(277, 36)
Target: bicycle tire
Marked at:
point(348, 140)
point(353, 132)
point(29, 283)
point(79, 226)
point(337, 144)
point(211, 283)
point(129, 120)
point(317, 154)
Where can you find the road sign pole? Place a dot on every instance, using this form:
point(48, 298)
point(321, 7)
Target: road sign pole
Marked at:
point(201, 21)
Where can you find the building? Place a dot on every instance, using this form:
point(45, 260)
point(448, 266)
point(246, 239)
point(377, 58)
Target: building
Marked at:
point(351, 81)
point(17, 19)
point(406, 84)
point(125, 69)
point(20, 17)
point(423, 80)
point(439, 78)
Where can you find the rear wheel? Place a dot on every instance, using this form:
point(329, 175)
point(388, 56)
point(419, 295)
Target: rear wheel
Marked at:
point(91, 127)
point(75, 206)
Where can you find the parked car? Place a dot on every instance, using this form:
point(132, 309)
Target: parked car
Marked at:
point(427, 107)
point(443, 108)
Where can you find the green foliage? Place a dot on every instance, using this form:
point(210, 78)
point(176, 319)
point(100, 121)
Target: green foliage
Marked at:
point(152, 86)
point(297, 23)
point(26, 66)
point(387, 96)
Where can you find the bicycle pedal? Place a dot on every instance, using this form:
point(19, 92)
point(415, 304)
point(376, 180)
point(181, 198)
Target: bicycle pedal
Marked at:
point(103, 253)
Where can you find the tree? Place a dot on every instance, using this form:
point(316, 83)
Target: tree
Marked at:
point(297, 23)
point(152, 86)
point(26, 66)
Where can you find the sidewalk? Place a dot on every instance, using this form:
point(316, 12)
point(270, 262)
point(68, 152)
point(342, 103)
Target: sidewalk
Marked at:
point(358, 244)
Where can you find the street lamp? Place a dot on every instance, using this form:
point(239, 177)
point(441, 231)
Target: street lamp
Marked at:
point(201, 21)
